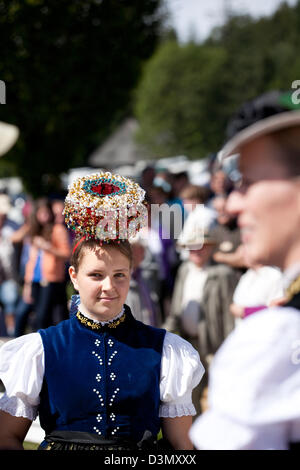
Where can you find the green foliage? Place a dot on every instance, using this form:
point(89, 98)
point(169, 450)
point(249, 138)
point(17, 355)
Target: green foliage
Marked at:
point(69, 68)
point(179, 85)
point(188, 92)
point(30, 446)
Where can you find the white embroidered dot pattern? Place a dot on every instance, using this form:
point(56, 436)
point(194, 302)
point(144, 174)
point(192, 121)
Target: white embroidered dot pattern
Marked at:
point(111, 357)
point(115, 430)
point(114, 396)
point(98, 357)
point(97, 430)
point(99, 396)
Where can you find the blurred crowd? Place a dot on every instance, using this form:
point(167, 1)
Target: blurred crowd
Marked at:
point(34, 256)
point(197, 285)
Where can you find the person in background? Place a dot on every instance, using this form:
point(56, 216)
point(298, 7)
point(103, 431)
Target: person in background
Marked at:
point(179, 181)
point(57, 209)
point(147, 177)
point(9, 135)
point(142, 298)
point(161, 190)
point(9, 288)
point(258, 288)
point(202, 296)
point(20, 238)
point(44, 279)
point(161, 243)
point(192, 195)
point(227, 234)
point(255, 376)
point(220, 184)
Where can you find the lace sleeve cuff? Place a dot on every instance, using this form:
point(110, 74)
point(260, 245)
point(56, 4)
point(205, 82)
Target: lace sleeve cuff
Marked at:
point(173, 410)
point(16, 407)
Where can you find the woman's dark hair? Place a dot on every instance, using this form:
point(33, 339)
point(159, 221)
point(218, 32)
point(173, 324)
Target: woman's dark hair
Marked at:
point(78, 251)
point(36, 228)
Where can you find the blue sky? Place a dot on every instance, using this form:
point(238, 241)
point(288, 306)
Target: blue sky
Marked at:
point(199, 16)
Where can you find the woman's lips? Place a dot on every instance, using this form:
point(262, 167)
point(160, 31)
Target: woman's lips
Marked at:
point(246, 234)
point(107, 299)
point(246, 229)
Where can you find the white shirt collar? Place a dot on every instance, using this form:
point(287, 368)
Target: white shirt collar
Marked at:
point(290, 274)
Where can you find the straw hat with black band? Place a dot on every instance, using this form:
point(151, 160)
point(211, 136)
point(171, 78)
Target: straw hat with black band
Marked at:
point(270, 112)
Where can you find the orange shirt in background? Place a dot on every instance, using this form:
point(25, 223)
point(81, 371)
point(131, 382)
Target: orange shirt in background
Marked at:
point(53, 267)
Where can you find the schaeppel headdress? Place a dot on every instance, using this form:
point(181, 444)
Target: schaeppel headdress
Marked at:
point(105, 206)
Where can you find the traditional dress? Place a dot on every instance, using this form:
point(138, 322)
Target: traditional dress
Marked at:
point(99, 385)
point(254, 385)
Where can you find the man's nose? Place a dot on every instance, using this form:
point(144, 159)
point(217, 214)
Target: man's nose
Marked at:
point(235, 203)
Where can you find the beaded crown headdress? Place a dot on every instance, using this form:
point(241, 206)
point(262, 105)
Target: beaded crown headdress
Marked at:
point(105, 206)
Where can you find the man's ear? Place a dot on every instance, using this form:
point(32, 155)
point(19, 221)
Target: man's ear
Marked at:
point(73, 277)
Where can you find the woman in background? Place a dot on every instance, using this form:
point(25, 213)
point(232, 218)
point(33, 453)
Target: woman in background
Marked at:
point(44, 280)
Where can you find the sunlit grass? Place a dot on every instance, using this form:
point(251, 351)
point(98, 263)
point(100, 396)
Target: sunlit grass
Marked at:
point(30, 445)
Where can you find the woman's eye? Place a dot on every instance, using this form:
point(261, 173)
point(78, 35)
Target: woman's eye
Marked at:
point(96, 275)
point(120, 275)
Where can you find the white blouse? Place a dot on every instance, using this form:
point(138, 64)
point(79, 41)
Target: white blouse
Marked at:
point(22, 371)
point(254, 390)
point(259, 287)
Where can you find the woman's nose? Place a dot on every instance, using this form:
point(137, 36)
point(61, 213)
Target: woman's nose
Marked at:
point(107, 283)
point(235, 203)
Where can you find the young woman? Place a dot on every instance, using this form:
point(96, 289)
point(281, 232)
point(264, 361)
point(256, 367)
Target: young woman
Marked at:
point(48, 246)
point(100, 379)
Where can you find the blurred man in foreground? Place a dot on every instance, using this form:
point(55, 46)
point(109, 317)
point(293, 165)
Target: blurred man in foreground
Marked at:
point(255, 376)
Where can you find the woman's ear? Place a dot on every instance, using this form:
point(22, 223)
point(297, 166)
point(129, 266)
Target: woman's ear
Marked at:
point(73, 277)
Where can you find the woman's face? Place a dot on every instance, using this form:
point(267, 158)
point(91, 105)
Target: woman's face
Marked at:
point(267, 205)
point(102, 280)
point(43, 215)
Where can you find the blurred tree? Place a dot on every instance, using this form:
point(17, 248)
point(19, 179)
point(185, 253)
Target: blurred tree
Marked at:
point(174, 98)
point(69, 69)
point(187, 93)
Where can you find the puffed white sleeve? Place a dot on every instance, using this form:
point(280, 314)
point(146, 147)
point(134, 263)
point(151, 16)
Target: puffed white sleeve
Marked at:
point(22, 372)
point(181, 372)
point(253, 399)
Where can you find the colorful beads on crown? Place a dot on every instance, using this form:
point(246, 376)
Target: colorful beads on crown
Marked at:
point(105, 206)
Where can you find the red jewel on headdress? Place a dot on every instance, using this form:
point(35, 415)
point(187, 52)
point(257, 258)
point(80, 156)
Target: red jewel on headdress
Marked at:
point(105, 188)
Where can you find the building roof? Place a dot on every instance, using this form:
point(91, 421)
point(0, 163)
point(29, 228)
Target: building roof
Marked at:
point(120, 148)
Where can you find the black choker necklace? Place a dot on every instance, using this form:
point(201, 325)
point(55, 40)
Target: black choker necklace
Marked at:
point(293, 288)
point(98, 326)
point(293, 294)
